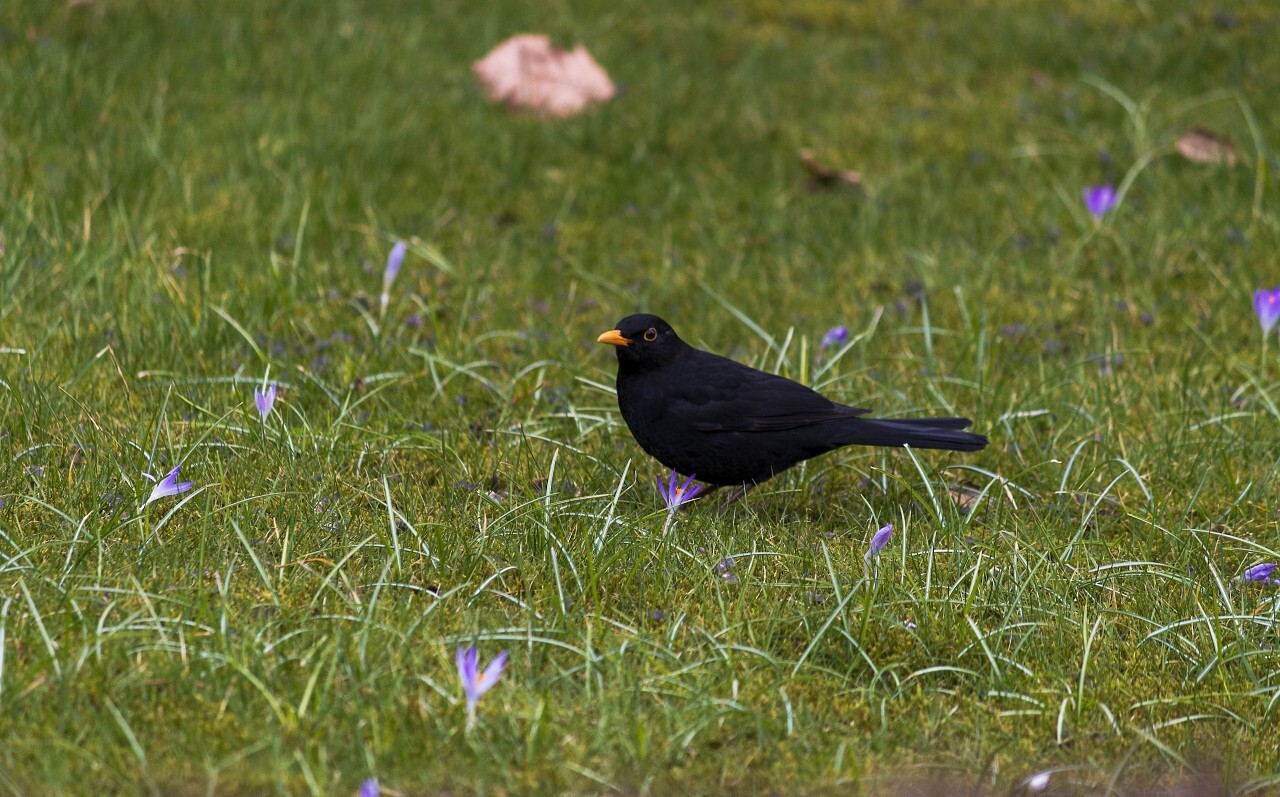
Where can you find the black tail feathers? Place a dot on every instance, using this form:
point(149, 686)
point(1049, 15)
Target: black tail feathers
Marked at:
point(946, 434)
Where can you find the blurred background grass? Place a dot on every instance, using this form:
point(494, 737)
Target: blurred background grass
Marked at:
point(197, 194)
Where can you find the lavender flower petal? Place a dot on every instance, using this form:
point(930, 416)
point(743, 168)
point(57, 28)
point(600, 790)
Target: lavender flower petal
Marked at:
point(1099, 199)
point(265, 399)
point(168, 486)
point(491, 673)
point(687, 492)
point(879, 540)
point(1266, 303)
point(1261, 574)
point(466, 661)
point(836, 336)
point(474, 682)
point(674, 496)
point(394, 261)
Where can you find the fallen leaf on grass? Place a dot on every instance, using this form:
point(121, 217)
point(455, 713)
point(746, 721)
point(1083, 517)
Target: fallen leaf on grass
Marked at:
point(823, 177)
point(965, 495)
point(1199, 145)
point(527, 71)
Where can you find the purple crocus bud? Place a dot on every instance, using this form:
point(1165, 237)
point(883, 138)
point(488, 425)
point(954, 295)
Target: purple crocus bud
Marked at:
point(1266, 303)
point(394, 261)
point(1099, 199)
point(674, 496)
point(474, 682)
point(878, 541)
point(1038, 782)
point(370, 788)
point(167, 486)
point(836, 336)
point(265, 399)
point(1261, 574)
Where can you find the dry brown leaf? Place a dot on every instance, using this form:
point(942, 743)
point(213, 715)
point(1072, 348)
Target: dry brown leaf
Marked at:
point(1205, 146)
point(527, 71)
point(823, 177)
point(965, 495)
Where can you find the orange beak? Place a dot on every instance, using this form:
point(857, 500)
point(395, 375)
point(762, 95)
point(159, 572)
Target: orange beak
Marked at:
point(614, 338)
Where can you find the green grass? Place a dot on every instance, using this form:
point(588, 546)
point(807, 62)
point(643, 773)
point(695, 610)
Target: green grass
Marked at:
point(197, 195)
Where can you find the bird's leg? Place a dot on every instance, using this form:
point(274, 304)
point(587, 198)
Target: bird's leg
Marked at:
point(734, 497)
point(711, 489)
point(730, 498)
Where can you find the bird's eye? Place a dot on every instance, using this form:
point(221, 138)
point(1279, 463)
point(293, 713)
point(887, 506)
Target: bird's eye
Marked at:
point(651, 334)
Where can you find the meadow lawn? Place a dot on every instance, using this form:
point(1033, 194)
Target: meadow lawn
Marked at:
point(198, 199)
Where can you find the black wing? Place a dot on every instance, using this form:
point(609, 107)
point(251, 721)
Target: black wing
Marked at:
point(731, 397)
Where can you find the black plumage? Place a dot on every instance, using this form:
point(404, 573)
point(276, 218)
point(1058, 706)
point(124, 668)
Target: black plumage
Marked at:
point(729, 424)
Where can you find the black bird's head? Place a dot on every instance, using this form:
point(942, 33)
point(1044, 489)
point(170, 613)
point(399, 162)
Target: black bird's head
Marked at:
point(643, 342)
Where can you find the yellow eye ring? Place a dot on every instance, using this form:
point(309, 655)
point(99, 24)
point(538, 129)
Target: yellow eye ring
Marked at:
point(651, 334)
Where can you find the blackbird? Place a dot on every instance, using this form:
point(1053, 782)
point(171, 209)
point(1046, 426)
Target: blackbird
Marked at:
point(729, 424)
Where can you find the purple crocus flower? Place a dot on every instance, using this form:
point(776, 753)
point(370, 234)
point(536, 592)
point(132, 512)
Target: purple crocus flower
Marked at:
point(474, 682)
point(167, 486)
point(394, 261)
point(1266, 303)
point(1261, 574)
point(836, 336)
point(1099, 199)
point(370, 788)
point(878, 541)
point(265, 399)
point(674, 496)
